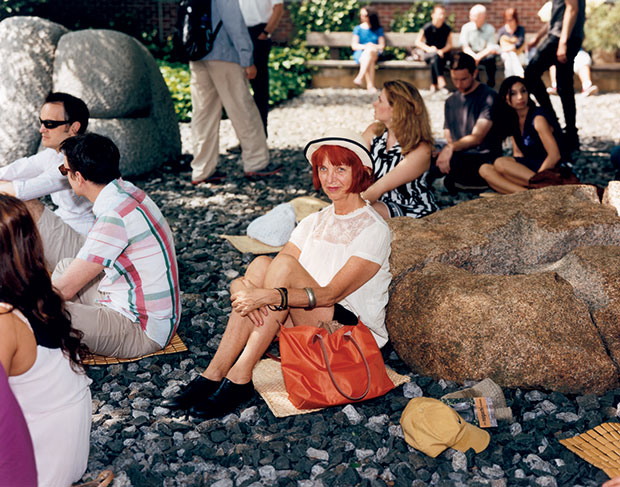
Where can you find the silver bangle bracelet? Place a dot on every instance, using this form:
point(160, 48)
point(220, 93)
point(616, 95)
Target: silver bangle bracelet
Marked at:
point(311, 297)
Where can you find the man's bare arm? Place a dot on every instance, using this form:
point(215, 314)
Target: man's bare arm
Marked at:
point(480, 131)
point(568, 22)
point(79, 273)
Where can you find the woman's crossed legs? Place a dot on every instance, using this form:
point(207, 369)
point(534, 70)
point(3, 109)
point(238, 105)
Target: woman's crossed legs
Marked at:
point(506, 175)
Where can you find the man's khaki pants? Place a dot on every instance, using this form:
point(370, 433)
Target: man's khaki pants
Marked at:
point(215, 84)
point(106, 332)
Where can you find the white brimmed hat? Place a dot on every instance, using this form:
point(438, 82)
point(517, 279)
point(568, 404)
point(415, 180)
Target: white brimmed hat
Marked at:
point(344, 138)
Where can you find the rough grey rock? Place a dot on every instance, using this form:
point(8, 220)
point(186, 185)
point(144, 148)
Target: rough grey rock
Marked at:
point(126, 94)
point(411, 390)
point(27, 53)
point(88, 65)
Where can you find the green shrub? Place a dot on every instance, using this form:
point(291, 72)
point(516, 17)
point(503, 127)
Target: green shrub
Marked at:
point(176, 76)
point(288, 78)
point(288, 74)
point(17, 7)
point(413, 19)
point(324, 15)
point(602, 29)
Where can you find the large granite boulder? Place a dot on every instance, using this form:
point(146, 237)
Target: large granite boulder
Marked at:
point(519, 288)
point(127, 96)
point(611, 196)
point(117, 78)
point(27, 53)
point(593, 274)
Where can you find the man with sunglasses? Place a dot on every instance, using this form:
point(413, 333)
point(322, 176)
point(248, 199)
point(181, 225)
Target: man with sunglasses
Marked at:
point(62, 116)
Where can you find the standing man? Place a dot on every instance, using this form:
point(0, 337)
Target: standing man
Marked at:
point(478, 40)
point(564, 36)
point(436, 42)
point(221, 79)
point(467, 128)
point(62, 116)
point(262, 17)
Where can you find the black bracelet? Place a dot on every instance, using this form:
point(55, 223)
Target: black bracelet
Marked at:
point(283, 300)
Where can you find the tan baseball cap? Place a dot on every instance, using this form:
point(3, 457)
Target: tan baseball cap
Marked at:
point(431, 426)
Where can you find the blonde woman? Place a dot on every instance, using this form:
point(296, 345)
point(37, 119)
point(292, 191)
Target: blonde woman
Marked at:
point(400, 142)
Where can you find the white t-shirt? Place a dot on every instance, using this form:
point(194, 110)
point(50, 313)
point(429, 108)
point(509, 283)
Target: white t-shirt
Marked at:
point(257, 11)
point(327, 241)
point(38, 175)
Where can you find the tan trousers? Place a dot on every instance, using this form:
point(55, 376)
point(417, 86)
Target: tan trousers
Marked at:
point(215, 84)
point(106, 332)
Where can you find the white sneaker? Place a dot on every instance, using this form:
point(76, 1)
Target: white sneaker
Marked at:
point(552, 90)
point(591, 90)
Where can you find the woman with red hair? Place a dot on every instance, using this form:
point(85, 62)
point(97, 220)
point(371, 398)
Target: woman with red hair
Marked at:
point(334, 267)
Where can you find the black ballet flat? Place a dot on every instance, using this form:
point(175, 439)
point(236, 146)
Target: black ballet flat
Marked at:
point(198, 389)
point(225, 400)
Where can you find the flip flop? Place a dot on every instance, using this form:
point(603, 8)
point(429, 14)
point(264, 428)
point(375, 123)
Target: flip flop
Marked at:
point(103, 480)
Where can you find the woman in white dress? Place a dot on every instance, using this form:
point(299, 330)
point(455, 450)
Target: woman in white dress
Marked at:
point(334, 267)
point(40, 352)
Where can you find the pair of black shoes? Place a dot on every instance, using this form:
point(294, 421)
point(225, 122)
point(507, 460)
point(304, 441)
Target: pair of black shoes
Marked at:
point(205, 398)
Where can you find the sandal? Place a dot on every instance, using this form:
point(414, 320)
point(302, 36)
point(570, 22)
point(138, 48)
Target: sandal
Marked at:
point(103, 480)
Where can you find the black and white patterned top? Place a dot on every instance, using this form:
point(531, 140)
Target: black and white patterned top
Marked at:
point(412, 199)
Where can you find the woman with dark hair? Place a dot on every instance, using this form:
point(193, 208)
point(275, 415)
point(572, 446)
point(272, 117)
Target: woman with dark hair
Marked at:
point(535, 139)
point(334, 267)
point(400, 142)
point(367, 44)
point(511, 39)
point(41, 352)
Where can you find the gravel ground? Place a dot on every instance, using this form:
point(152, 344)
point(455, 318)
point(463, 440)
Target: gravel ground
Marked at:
point(147, 445)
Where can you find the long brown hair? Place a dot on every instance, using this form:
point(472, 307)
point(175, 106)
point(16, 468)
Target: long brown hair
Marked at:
point(26, 285)
point(410, 121)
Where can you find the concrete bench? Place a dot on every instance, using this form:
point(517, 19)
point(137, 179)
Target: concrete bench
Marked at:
point(336, 72)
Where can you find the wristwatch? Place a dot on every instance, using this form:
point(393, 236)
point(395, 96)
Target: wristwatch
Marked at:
point(267, 34)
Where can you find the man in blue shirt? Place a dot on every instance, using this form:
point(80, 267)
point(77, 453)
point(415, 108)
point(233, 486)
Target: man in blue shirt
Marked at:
point(221, 79)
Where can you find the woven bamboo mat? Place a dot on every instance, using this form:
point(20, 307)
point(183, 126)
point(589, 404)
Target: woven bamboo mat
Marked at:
point(599, 446)
point(176, 345)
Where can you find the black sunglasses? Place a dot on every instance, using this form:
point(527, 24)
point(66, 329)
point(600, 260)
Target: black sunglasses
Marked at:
point(64, 170)
point(52, 124)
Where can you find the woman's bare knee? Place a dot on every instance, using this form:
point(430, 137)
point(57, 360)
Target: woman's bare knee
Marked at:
point(501, 163)
point(280, 270)
point(257, 269)
point(486, 170)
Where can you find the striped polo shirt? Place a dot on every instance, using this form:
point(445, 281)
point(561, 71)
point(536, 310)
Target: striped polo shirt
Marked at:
point(133, 241)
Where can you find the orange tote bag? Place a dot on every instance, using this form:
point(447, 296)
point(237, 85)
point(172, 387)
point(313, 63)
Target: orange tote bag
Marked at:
point(322, 369)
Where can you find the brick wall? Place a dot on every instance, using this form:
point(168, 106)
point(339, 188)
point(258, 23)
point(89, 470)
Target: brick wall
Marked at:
point(526, 9)
point(135, 16)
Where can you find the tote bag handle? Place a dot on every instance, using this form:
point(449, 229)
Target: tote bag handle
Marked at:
point(349, 336)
